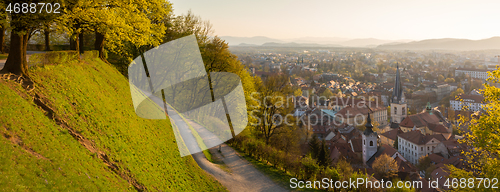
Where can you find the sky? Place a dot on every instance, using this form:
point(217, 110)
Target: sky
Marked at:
point(381, 19)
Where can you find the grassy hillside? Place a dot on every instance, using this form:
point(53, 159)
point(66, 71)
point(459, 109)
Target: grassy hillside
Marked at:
point(92, 141)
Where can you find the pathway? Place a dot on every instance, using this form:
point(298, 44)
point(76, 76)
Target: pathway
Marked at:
point(243, 175)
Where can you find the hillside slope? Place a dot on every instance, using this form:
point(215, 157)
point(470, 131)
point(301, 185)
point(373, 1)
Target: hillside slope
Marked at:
point(80, 132)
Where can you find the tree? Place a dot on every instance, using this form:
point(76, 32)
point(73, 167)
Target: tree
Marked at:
point(217, 58)
point(457, 92)
point(440, 78)
point(311, 168)
point(297, 92)
point(273, 105)
point(314, 147)
point(385, 167)
point(424, 163)
point(327, 93)
point(483, 136)
point(396, 144)
point(429, 170)
point(344, 168)
point(288, 141)
point(449, 80)
point(3, 27)
point(46, 33)
point(451, 114)
point(23, 26)
point(324, 155)
point(117, 23)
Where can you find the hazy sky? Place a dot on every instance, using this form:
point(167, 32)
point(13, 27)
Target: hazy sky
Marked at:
point(384, 19)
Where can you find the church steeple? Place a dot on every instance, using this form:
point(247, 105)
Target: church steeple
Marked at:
point(428, 108)
point(370, 140)
point(369, 126)
point(399, 107)
point(397, 92)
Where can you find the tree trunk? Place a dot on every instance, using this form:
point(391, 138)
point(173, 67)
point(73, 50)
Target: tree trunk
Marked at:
point(16, 61)
point(99, 44)
point(2, 39)
point(46, 33)
point(73, 43)
point(81, 44)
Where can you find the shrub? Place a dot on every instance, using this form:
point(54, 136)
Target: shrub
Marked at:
point(53, 57)
point(311, 167)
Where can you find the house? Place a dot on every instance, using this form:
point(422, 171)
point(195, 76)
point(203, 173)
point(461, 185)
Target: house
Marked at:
point(390, 136)
point(473, 73)
point(355, 115)
point(428, 122)
point(441, 175)
point(471, 102)
point(449, 148)
point(413, 144)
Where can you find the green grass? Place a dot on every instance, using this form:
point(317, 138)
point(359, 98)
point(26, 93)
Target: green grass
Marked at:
point(3, 56)
point(94, 99)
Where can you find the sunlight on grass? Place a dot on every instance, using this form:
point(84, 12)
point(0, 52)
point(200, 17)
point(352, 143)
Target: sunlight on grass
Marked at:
point(94, 99)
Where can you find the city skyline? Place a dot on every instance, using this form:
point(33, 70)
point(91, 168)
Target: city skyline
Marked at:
point(385, 19)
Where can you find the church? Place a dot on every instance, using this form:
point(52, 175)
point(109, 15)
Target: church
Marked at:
point(428, 127)
point(428, 122)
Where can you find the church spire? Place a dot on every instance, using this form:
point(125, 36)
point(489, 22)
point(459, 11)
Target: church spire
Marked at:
point(368, 126)
point(397, 92)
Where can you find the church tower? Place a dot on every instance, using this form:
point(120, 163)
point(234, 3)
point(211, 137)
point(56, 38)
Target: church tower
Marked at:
point(399, 107)
point(370, 140)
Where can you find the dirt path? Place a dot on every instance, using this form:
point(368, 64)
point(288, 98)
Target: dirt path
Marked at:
point(242, 176)
point(2, 63)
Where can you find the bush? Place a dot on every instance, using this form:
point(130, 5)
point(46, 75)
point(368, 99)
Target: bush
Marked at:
point(302, 168)
point(311, 167)
point(53, 57)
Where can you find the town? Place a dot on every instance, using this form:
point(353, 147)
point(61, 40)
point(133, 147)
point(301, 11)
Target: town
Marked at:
point(364, 103)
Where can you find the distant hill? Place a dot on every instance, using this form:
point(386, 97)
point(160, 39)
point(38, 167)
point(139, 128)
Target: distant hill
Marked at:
point(369, 42)
point(447, 44)
point(307, 42)
point(257, 40)
point(298, 45)
point(247, 45)
point(318, 40)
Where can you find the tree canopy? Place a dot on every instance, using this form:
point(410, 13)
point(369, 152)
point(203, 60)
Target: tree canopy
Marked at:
point(482, 136)
point(120, 23)
point(385, 167)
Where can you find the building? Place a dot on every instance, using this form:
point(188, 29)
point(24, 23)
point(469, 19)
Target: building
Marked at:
point(441, 175)
point(469, 101)
point(355, 115)
point(413, 144)
point(449, 148)
point(441, 90)
point(399, 107)
point(338, 103)
point(389, 137)
point(473, 73)
point(370, 140)
point(428, 122)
